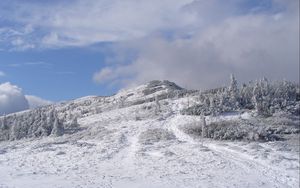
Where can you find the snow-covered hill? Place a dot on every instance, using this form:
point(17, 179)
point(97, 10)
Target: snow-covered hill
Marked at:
point(151, 136)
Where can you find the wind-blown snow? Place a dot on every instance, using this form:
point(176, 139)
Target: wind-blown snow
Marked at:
point(35, 101)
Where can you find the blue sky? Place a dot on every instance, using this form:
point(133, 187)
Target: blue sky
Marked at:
point(55, 74)
point(65, 49)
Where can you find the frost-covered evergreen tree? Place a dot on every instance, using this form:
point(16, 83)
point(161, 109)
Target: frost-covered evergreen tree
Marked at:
point(203, 128)
point(39, 127)
point(74, 123)
point(262, 97)
point(4, 129)
point(121, 101)
point(233, 93)
point(14, 132)
point(3, 124)
point(257, 98)
point(157, 105)
point(213, 108)
point(266, 101)
point(246, 93)
point(51, 116)
point(58, 128)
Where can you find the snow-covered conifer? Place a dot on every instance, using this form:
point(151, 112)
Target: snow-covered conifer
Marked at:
point(157, 105)
point(58, 128)
point(3, 123)
point(74, 123)
point(213, 107)
point(233, 93)
point(204, 129)
point(15, 130)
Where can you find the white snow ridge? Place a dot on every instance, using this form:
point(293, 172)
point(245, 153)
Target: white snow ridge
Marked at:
point(157, 135)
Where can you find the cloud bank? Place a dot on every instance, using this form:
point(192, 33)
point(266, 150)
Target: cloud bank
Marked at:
point(196, 43)
point(251, 45)
point(13, 100)
point(80, 22)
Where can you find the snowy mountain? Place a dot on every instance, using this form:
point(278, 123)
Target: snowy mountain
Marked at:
point(158, 135)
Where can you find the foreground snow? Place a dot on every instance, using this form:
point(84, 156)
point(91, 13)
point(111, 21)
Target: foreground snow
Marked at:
point(110, 152)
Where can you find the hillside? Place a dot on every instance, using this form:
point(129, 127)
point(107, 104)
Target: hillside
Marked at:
point(158, 135)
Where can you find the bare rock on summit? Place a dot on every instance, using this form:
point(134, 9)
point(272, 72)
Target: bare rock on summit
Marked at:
point(157, 85)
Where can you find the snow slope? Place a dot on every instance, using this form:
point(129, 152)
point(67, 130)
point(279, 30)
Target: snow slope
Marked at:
point(132, 145)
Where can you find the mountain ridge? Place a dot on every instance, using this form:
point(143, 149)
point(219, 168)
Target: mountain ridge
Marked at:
point(278, 96)
point(165, 137)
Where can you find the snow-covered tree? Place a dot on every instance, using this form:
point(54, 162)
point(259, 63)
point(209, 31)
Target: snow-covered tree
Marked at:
point(157, 105)
point(246, 93)
point(14, 132)
point(121, 101)
point(3, 124)
point(262, 97)
point(213, 107)
point(203, 128)
point(74, 123)
point(257, 98)
point(233, 92)
point(58, 128)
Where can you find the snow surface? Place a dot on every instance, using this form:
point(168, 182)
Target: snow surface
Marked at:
point(132, 147)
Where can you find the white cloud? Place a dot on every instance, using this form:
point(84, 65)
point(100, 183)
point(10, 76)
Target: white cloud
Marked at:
point(16, 37)
point(35, 101)
point(11, 99)
point(86, 22)
point(2, 73)
point(61, 23)
point(104, 75)
point(250, 45)
point(32, 64)
point(82, 22)
point(196, 43)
